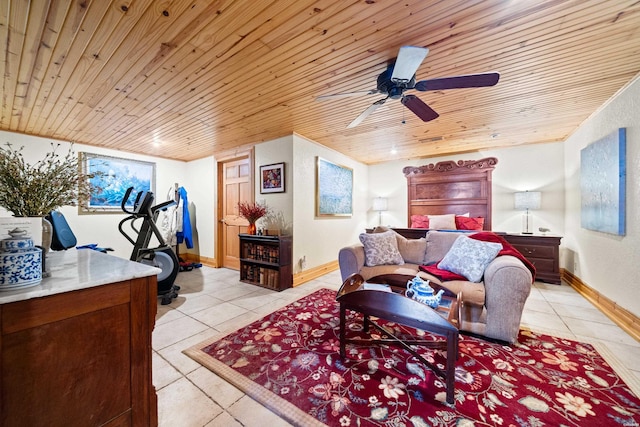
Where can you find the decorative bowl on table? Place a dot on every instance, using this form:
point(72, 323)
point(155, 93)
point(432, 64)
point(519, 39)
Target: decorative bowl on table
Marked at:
point(419, 290)
point(20, 261)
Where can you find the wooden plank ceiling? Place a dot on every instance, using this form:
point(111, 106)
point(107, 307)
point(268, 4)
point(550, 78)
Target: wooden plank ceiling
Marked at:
point(186, 79)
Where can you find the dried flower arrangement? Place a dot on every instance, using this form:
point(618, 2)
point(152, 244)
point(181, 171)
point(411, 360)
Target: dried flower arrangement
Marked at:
point(35, 190)
point(251, 211)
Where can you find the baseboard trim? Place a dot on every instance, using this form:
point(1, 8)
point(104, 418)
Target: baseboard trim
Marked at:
point(209, 262)
point(628, 321)
point(313, 273)
point(298, 278)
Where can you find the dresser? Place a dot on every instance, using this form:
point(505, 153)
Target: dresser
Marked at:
point(543, 251)
point(76, 348)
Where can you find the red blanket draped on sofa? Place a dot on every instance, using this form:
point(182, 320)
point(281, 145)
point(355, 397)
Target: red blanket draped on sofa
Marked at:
point(485, 236)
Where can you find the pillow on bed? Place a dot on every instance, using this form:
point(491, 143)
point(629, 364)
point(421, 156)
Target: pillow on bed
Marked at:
point(381, 248)
point(466, 223)
point(419, 221)
point(469, 257)
point(442, 222)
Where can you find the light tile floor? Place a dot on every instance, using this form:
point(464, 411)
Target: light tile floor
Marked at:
point(214, 302)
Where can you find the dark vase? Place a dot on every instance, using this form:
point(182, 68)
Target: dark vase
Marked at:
point(251, 228)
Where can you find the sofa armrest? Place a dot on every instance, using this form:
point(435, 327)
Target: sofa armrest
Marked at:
point(351, 260)
point(507, 285)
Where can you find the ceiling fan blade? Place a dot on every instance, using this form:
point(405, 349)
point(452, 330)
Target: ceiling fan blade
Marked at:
point(419, 108)
point(459, 82)
point(373, 107)
point(408, 61)
point(346, 94)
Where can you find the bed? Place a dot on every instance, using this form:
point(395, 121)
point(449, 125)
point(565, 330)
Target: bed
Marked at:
point(449, 187)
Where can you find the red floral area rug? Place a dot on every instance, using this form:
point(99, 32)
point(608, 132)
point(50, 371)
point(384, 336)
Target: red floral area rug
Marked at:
point(289, 362)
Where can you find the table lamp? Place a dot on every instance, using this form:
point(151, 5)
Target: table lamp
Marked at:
point(526, 201)
point(379, 205)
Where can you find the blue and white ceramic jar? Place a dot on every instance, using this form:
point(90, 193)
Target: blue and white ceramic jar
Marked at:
point(20, 261)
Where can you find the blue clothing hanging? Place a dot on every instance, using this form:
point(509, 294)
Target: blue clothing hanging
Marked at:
point(186, 234)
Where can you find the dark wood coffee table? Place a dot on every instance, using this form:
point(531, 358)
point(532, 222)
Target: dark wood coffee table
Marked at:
point(398, 283)
point(358, 295)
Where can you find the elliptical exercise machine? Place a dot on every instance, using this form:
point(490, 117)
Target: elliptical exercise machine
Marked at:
point(161, 256)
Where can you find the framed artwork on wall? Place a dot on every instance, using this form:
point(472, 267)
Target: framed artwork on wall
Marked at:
point(603, 184)
point(334, 189)
point(115, 175)
point(272, 178)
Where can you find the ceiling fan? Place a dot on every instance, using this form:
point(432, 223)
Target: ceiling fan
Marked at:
point(401, 76)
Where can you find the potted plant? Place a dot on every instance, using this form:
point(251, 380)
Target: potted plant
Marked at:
point(252, 212)
point(34, 190)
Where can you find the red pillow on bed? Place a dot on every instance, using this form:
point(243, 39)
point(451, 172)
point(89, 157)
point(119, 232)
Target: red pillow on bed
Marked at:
point(419, 221)
point(466, 223)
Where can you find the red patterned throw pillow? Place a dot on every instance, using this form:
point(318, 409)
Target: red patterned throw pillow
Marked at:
point(466, 223)
point(419, 221)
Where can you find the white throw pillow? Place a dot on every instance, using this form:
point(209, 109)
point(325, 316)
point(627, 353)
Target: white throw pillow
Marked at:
point(469, 257)
point(442, 222)
point(381, 248)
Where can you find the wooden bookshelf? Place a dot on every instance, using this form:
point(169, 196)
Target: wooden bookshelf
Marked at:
point(266, 261)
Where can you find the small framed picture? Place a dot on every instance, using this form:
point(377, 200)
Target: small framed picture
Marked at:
point(272, 178)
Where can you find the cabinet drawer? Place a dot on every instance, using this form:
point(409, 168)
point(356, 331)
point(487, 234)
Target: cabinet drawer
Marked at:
point(536, 251)
point(542, 265)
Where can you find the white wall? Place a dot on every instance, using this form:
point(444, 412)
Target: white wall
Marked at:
point(319, 239)
point(606, 262)
point(97, 228)
point(537, 167)
point(199, 180)
point(280, 204)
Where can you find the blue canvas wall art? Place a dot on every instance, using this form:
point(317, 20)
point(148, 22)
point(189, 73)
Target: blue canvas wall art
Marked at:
point(334, 189)
point(603, 183)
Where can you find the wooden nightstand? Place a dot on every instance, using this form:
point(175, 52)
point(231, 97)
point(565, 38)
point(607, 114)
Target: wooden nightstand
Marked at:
point(542, 251)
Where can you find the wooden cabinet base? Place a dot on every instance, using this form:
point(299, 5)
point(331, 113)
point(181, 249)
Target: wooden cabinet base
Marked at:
point(80, 357)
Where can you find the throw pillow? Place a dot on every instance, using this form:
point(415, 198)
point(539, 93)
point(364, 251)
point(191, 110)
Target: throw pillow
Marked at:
point(469, 257)
point(438, 244)
point(381, 249)
point(412, 250)
point(419, 221)
point(466, 223)
point(442, 222)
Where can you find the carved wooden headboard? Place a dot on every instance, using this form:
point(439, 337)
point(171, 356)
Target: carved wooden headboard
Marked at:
point(451, 187)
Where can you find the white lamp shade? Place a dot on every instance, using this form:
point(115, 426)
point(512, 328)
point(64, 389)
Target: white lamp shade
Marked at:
point(380, 204)
point(525, 200)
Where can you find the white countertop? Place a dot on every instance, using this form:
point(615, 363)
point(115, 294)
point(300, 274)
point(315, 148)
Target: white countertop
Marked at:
point(76, 269)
